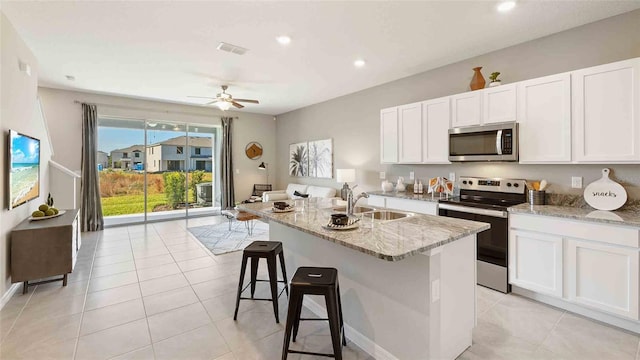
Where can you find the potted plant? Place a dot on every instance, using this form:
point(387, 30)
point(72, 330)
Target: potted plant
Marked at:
point(494, 79)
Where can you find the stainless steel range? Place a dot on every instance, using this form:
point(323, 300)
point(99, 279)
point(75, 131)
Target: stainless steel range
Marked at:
point(486, 200)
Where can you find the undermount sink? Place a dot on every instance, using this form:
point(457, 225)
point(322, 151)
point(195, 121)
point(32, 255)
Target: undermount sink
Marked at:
point(389, 215)
point(356, 210)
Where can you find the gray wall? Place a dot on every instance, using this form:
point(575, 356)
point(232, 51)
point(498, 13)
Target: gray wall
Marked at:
point(353, 120)
point(18, 111)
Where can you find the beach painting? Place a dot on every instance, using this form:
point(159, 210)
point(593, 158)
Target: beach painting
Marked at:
point(24, 174)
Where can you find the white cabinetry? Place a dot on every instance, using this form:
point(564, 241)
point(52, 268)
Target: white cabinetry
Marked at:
point(544, 115)
point(606, 113)
point(417, 206)
point(588, 265)
point(436, 116)
point(389, 135)
point(410, 129)
point(466, 109)
point(603, 277)
point(535, 261)
point(499, 104)
point(376, 201)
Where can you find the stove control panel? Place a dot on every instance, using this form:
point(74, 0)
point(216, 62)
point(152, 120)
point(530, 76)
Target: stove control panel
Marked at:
point(515, 186)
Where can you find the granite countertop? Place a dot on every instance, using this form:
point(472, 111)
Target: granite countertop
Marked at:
point(388, 240)
point(628, 215)
point(406, 195)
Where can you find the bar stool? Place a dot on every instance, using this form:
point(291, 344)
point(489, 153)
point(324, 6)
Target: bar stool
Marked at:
point(255, 251)
point(315, 281)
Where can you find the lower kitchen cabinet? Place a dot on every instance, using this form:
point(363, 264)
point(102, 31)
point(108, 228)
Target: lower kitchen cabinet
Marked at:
point(535, 261)
point(417, 206)
point(592, 266)
point(603, 277)
point(378, 201)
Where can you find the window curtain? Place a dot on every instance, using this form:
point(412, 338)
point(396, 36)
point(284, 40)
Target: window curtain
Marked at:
point(91, 207)
point(226, 170)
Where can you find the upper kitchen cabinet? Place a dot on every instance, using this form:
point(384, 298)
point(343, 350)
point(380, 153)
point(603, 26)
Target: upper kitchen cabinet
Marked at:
point(436, 116)
point(389, 135)
point(499, 104)
point(410, 133)
point(466, 109)
point(544, 115)
point(606, 113)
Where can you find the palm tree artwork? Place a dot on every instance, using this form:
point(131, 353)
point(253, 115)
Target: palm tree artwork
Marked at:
point(321, 158)
point(298, 160)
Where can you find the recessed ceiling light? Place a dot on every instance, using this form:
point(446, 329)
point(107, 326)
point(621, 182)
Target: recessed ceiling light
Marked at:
point(359, 63)
point(70, 77)
point(506, 6)
point(283, 39)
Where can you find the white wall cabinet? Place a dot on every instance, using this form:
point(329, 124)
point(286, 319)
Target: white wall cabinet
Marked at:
point(389, 135)
point(499, 104)
point(544, 117)
point(606, 113)
point(603, 277)
point(436, 117)
point(410, 133)
point(466, 109)
point(592, 266)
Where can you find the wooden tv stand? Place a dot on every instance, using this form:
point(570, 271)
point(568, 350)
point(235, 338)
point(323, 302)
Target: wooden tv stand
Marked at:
point(45, 248)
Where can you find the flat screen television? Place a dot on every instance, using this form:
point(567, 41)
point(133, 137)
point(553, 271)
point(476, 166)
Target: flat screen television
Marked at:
point(24, 169)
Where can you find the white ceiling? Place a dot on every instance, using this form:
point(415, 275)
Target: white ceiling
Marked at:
point(167, 50)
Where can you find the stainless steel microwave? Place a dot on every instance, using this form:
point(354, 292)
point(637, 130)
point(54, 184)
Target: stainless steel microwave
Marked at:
point(496, 142)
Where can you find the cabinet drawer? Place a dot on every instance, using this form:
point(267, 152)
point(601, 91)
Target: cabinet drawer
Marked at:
point(418, 206)
point(609, 234)
point(374, 201)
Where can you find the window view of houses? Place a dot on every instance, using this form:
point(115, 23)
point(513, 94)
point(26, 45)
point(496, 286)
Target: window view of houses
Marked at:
point(178, 168)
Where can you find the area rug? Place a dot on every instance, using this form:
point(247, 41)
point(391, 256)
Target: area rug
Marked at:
point(220, 240)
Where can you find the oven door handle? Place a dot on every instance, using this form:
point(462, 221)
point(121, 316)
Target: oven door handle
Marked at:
point(499, 142)
point(472, 210)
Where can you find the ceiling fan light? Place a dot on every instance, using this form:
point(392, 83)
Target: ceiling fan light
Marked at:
point(223, 105)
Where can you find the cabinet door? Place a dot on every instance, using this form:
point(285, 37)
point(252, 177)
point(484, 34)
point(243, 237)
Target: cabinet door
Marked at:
point(436, 119)
point(535, 262)
point(417, 206)
point(544, 114)
point(499, 104)
point(466, 109)
point(410, 129)
point(389, 135)
point(606, 113)
point(603, 277)
point(374, 201)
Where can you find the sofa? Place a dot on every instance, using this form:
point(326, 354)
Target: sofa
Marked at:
point(312, 191)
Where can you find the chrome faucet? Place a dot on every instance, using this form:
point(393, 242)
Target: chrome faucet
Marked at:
point(351, 201)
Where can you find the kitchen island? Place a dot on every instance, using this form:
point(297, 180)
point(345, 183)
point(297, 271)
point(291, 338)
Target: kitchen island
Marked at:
point(407, 285)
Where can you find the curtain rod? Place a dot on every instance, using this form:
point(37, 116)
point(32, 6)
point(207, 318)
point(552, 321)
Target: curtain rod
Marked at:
point(147, 109)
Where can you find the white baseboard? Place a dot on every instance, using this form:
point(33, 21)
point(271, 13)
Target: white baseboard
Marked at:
point(7, 295)
point(363, 342)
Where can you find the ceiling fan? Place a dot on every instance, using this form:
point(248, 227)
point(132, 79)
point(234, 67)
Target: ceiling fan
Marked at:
point(224, 101)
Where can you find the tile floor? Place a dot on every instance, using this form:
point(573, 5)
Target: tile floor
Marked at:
point(145, 292)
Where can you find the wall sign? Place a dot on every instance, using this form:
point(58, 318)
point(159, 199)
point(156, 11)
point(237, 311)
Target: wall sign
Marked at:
point(605, 194)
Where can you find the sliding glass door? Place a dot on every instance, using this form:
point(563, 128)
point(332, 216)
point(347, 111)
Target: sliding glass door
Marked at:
point(156, 170)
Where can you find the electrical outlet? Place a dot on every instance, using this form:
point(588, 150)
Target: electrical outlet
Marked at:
point(452, 176)
point(412, 175)
point(237, 171)
point(435, 290)
point(383, 175)
point(576, 182)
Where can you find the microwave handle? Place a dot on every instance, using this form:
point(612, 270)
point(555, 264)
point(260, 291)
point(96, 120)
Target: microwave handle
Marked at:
point(499, 142)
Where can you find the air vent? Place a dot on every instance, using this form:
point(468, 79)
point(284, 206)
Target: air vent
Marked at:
point(232, 48)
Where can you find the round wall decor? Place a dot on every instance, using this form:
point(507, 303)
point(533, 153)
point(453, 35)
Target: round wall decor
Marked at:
point(253, 150)
point(605, 194)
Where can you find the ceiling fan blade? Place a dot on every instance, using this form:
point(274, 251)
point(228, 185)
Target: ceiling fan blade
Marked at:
point(236, 105)
point(201, 97)
point(212, 102)
point(247, 100)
